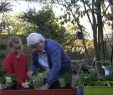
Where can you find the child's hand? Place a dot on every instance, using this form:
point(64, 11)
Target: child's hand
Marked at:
point(25, 84)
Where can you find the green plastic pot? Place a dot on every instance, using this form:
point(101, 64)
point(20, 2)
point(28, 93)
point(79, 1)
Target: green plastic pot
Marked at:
point(98, 90)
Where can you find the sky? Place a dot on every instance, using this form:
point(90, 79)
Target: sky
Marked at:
point(22, 6)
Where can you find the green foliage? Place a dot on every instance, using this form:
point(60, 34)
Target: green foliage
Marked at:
point(10, 82)
point(38, 79)
point(5, 6)
point(2, 54)
point(2, 78)
point(110, 77)
point(46, 24)
point(18, 26)
point(2, 46)
point(91, 79)
point(3, 51)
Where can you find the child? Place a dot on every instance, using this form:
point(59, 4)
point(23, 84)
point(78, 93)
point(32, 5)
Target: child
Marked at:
point(15, 63)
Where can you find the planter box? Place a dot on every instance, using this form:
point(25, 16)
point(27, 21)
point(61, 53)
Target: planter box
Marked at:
point(98, 90)
point(72, 91)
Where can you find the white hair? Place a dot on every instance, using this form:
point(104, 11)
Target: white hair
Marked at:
point(34, 38)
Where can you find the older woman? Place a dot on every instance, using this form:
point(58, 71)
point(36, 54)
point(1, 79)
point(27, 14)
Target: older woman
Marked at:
point(49, 55)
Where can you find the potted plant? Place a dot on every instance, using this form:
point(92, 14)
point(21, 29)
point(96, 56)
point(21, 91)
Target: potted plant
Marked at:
point(102, 86)
point(91, 84)
point(37, 82)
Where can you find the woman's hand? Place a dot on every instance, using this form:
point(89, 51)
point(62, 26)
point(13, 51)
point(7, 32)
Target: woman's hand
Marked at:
point(44, 87)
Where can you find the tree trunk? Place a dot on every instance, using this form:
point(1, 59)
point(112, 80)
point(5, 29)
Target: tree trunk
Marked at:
point(83, 41)
point(94, 28)
point(100, 43)
point(111, 2)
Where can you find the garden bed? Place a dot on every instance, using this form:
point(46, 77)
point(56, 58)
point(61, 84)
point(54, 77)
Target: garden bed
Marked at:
point(72, 91)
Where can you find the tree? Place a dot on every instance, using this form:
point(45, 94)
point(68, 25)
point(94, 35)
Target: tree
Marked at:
point(5, 7)
point(46, 24)
point(72, 8)
point(92, 9)
point(17, 26)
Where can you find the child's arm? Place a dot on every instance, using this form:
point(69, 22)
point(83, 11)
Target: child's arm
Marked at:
point(8, 66)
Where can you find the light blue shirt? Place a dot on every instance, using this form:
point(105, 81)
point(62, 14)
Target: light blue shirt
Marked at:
point(43, 60)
